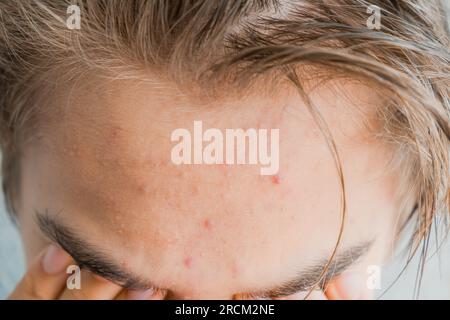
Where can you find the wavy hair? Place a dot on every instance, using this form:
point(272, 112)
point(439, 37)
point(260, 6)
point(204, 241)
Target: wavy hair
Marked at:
point(211, 44)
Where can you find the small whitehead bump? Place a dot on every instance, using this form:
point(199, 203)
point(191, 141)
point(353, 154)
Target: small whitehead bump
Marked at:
point(124, 264)
point(73, 152)
point(144, 189)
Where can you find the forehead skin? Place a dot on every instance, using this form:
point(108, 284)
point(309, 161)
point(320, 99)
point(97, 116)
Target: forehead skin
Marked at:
point(103, 166)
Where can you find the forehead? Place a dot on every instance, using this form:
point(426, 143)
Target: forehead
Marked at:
point(109, 170)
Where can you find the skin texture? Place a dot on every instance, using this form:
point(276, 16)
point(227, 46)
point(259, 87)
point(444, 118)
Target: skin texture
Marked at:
point(101, 165)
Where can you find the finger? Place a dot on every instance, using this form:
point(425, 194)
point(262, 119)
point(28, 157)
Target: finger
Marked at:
point(92, 287)
point(349, 287)
point(45, 278)
point(247, 296)
point(301, 295)
point(305, 295)
point(317, 295)
point(149, 294)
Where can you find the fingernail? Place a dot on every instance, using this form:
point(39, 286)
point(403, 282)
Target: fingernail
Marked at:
point(140, 294)
point(350, 287)
point(55, 260)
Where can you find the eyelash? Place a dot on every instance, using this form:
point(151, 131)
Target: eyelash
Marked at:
point(128, 287)
point(245, 296)
point(256, 296)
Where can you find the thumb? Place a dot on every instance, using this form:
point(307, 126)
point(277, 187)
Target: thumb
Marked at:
point(349, 286)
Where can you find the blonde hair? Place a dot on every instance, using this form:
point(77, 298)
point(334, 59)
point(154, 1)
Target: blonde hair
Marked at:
point(218, 43)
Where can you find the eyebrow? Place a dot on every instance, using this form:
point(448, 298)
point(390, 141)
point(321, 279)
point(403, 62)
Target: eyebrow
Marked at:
point(89, 257)
point(314, 277)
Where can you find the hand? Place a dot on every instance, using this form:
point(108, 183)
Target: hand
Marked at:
point(350, 286)
point(46, 279)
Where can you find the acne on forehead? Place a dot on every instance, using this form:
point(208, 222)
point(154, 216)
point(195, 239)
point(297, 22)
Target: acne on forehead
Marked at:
point(276, 179)
point(206, 202)
point(187, 262)
point(155, 179)
point(207, 224)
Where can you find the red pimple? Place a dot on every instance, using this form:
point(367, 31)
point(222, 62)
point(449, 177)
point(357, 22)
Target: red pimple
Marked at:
point(276, 179)
point(116, 131)
point(207, 224)
point(187, 262)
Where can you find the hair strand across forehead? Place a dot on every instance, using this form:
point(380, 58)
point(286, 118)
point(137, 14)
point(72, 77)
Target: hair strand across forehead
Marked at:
point(211, 44)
